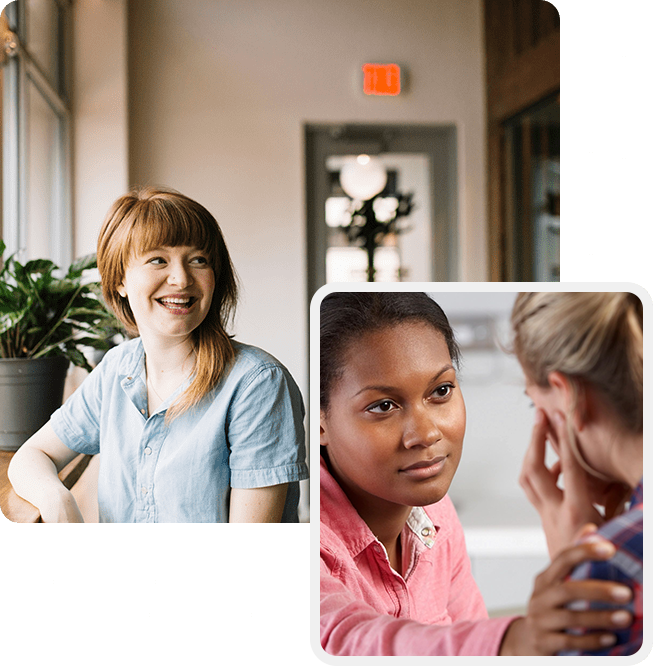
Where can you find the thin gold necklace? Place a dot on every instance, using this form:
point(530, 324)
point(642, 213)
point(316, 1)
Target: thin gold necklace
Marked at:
point(151, 385)
point(149, 379)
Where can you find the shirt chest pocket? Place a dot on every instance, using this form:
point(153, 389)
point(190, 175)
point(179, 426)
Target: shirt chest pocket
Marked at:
point(429, 593)
point(432, 614)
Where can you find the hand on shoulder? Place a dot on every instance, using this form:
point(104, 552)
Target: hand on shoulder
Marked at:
point(544, 629)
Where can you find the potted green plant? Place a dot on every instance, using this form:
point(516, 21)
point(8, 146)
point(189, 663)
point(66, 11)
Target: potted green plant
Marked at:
point(45, 321)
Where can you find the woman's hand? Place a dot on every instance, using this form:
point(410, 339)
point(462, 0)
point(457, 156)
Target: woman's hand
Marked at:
point(543, 630)
point(61, 508)
point(33, 473)
point(563, 512)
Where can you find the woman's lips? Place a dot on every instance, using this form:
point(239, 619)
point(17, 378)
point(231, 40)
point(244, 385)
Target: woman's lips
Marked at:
point(177, 304)
point(425, 469)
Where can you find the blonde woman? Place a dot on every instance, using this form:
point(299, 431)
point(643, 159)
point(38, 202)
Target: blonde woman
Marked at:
point(192, 425)
point(582, 355)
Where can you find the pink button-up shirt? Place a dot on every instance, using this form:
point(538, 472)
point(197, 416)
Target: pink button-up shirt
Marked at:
point(367, 608)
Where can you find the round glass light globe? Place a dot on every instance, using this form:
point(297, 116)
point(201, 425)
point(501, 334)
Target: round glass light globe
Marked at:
point(363, 179)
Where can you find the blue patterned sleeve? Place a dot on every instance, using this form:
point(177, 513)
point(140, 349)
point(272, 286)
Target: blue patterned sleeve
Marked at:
point(626, 568)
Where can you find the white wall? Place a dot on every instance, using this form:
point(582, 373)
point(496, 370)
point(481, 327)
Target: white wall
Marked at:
point(219, 92)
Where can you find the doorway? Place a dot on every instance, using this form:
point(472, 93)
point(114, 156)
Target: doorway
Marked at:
point(419, 160)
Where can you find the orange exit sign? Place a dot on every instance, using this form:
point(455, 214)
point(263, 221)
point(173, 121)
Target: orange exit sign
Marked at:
point(381, 79)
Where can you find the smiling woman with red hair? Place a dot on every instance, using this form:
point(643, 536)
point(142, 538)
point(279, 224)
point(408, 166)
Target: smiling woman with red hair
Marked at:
point(192, 425)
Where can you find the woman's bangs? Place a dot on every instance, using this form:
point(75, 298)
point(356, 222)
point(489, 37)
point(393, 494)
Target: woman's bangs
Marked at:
point(162, 227)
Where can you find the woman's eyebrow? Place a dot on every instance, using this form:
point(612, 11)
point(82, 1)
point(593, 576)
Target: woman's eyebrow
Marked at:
point(442, 371)
point(388, 389)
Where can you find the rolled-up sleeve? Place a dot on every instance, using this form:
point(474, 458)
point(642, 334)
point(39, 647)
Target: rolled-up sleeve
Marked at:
point(265, 430)
point(77, 422)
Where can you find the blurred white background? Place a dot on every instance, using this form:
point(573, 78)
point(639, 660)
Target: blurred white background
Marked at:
point(504, 538)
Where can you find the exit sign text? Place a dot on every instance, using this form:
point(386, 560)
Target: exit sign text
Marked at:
point(381, 79)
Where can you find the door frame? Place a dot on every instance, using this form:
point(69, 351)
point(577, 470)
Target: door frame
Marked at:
point(437, 141)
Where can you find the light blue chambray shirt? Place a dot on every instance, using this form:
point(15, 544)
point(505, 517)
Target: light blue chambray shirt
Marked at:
point(246, 433)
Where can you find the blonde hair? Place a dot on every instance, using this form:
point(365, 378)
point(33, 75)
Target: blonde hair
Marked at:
point(147, 218)
point(592, 337)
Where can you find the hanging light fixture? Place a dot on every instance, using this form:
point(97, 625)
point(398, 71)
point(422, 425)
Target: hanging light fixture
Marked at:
point(363, 178)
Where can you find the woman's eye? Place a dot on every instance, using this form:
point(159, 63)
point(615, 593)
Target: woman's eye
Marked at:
point(157, 261)
point(443, 391)
point(200, 260)
point(382, 407)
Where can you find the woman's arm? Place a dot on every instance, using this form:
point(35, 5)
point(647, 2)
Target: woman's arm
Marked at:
point(350, 626)
point(33, 474)
point(265, 435)
point(257, 505)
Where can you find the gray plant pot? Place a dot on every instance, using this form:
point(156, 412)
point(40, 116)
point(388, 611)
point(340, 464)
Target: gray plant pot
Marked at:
point(30, 391)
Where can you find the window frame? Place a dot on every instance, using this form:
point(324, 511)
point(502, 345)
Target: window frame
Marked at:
point(20, 70)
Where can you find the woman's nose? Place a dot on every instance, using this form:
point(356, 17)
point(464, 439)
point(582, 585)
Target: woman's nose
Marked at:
point(421, 428)
point(179, 275)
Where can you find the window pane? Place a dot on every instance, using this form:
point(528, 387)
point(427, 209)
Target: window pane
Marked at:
point(43, 37)
point(349, 264)
point(533, 191)
point(42, 164)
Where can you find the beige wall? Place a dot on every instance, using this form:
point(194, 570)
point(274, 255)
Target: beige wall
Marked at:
point(99, 110)
point(219, 92)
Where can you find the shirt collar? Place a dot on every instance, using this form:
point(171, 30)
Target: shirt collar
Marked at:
point(132, 369)
point(338, 514)
point(638, 494)
point(132, 362)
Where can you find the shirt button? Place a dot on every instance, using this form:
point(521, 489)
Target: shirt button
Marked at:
point(144, 490)
point(142, 411)
point(148, 450)
point(426, 531)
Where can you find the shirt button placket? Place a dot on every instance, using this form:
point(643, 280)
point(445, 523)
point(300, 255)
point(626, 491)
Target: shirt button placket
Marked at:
point(146, 470)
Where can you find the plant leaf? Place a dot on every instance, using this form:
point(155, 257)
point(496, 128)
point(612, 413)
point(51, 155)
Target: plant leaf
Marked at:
point(12, 319)
point(75, 313)
point(96, 343)
point(43, 316)
point(78, 267)
point(40, 266)
point(77, 358)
